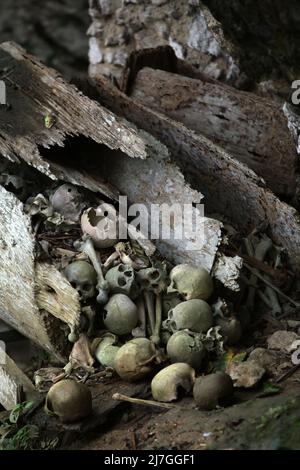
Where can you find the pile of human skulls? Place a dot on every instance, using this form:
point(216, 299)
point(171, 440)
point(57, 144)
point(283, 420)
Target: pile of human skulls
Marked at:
point(141, 316)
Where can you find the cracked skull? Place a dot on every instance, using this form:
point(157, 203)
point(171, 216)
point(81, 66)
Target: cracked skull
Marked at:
point(121, 280)
point(135, 359)
point(82, 276)
point(101, 225)
point(185, 346)
point(167, 384)
point(67, 201)
point(120, 315)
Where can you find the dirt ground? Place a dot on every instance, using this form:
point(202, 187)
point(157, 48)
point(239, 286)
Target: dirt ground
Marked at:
point(250, 422)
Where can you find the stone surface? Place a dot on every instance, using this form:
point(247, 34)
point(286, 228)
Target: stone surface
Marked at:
point(119, 27)
point(282, 340)
point(246, 374)
point(264, 358)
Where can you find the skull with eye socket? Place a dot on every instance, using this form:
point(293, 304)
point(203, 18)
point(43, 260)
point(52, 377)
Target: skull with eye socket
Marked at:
point(153, 279)
point(82, 276)
point(194, 315)
point(67, 201)
point(121, 280)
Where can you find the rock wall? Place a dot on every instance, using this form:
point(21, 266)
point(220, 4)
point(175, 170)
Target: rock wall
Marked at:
point(121, 26)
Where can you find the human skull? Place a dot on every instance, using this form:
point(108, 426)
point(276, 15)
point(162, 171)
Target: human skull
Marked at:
point(194, 315)
point(121, 279)
point(101, 225)
point(67, 201)
point(185, 346)
point(135, 359)
point(83, 277)
point(191, 282)
point(120, 314)
point(153, 279)
point(166, 384)
point(209, 391)
point(70, 401)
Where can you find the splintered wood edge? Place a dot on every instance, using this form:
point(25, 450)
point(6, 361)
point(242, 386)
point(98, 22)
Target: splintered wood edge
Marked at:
point(18, 306)
point(34, 92)
point(11, 379)
point(55, 294)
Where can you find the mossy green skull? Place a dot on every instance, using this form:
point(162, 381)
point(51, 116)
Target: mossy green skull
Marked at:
point(185, 346)
point(191, 282)
point(120, 315)
point(194, 315)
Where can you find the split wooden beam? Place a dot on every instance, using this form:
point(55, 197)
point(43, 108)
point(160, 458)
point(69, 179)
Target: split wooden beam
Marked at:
point(251, 128)
point(230, 188)
point(35, 298)
point(15, 386)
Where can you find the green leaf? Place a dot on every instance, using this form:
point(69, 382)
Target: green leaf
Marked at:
point(18, 410)
point(268, 388)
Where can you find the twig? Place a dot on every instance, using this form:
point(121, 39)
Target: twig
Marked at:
point(140, 401)
point(287, 374)
point(133, 440)
point(150, 309)
point(268, 283)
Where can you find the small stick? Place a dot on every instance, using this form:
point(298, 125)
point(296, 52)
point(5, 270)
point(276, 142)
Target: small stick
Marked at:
point(140, 401)
point(150, 309)
point(133, 440)
point(268, 283)
point(287, 374)
point(158, 319)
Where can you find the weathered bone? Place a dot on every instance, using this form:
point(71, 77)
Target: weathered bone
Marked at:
point(155, 337)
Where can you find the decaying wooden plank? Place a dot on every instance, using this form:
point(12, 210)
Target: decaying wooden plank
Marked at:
point(44, 110)
point(253, 129)
point(55, 295)
point(12, 381)
point(157, 181)
point(18, 287)
point(230, 188)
